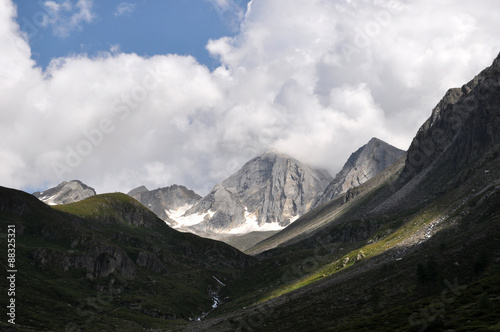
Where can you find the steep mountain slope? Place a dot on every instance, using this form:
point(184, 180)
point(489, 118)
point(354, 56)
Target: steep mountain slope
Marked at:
point(108, 263)
point(413, 249)
point(368, 161)
point(462, 126)
point(65, 192)
point(166, 201)
point(356, 200)
point(268, 193)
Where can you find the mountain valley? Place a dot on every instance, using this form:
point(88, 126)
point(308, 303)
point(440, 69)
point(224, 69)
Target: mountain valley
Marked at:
point(396, 241)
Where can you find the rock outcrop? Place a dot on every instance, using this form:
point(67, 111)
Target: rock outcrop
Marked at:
point(271, 190)
point(368, 161)
point(461, 126)
point(65, 192)
point(163, 200)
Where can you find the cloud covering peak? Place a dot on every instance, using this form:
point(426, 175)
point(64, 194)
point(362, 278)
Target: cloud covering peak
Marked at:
point(313, 79)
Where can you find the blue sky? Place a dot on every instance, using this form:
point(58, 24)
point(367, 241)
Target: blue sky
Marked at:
point(185, 92)
point(145, 27)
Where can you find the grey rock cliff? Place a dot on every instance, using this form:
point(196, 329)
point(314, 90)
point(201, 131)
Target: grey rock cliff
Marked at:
point(460, 130)
point(162, 199)
point(461, 126)
point(271, 188)
point(65, 193)
point(368, 161)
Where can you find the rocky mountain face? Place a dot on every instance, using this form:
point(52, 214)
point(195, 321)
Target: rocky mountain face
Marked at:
point(461, 126)
point(368, 161)
point(460, 132)
point(65, 192)
point(269, 192)
point(163, 201)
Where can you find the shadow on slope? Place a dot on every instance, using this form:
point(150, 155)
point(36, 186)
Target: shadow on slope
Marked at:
point(108, 263)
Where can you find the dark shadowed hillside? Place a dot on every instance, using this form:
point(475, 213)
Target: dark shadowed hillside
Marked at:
point(109, 263)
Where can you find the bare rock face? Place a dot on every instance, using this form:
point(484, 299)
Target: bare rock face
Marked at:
point(270, 189)
point(165, 199)
point(461, 126)
point(368, 161)
point(65, 193)
point(225, 208)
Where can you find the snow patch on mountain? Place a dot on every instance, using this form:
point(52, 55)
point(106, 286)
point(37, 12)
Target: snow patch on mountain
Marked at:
point(48, 199)
point(179, 212)
point(190, 220)
point(252, 225)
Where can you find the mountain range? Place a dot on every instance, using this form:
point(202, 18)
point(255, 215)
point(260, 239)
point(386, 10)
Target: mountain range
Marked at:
point(267, 194)
point(163, 201)
point(414, 248)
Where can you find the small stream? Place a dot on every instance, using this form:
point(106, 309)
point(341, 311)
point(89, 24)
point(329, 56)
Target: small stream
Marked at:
point(215, 298)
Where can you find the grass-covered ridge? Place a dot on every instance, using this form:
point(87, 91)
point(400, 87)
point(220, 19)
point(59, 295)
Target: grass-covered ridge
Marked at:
point(101, 203)
point(112, 208)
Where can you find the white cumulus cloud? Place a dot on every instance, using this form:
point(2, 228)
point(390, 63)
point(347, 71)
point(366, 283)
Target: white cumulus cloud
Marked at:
point(312, 78)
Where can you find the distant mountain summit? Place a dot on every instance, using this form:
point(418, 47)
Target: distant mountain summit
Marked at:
point(166, 201)
point(65, 193)
point(368, 161)
point(268, 193)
